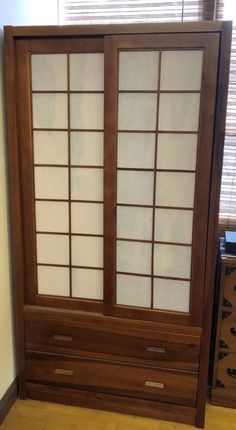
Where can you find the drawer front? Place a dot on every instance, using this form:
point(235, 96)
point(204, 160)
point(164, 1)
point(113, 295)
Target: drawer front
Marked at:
point(228, 331)
point(111, 377)
point(229, 293)
point(140, 348)
point(226, 374)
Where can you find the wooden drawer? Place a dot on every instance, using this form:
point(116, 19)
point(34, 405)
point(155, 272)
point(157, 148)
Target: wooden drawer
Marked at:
point(111, 377)
point(229, 293)
point(228, 331)
point(112, 343)
point(226, 373)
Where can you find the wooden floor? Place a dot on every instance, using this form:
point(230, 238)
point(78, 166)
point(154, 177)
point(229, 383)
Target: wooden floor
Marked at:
point(34, 415)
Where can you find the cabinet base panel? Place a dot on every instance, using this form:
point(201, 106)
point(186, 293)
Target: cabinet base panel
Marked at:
point(112, 403)
point(225, 399)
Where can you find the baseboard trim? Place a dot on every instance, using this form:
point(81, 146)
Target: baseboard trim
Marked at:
point(8, 400)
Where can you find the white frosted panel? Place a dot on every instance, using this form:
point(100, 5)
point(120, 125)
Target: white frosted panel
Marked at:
point(134, 257)
point(87, 251)
point(172, 261)
point(171, 295)
point(49, 72)
point(86, 184)
point(173, 225)
point(87, 72)
point(51, 182)
point(134, 223)
point(52, 216)
point(50, 111)
point(181, 70)
point(87, 218)
point(179, 112)
point(86, 111)
point(177, 151)
point(137, 111)
point(138, 70)
point(175, 189)
point(52, 249)
point(87, 148)
point(87, 284)
point(136, 150)
point(135, 187)
point(53, 281)
point(133, 291)
point(50, 147)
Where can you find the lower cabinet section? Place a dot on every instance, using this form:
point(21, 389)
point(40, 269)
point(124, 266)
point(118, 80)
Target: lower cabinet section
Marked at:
point(115, 364)
point(111, 402)
point(110, 377)
point(112, 339)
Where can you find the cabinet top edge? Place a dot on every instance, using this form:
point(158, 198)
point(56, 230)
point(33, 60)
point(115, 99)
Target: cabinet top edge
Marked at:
point(112, 29)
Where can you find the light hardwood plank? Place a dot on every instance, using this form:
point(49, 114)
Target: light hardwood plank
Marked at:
point(35, 415)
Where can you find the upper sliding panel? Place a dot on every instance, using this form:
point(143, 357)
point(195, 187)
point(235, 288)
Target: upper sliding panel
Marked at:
point(160, 106)
point(62, 134)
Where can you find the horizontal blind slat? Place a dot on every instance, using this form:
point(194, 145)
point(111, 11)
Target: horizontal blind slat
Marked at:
point(108, 11)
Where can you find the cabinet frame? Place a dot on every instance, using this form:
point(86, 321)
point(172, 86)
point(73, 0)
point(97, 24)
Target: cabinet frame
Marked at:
point(12, 34)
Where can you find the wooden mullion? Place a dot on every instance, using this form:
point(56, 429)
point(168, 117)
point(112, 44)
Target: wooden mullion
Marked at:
point(74, 266)
point(158, 91)
point(154, 131)
point(65, 91)
point(69, 174)
point(136, 205)
point(154, 181)
point(155, 276)
point(142, 169)
point(74, 166)
point(94, 130)
point(70, 234)
point(110, 177)
point(152, 241)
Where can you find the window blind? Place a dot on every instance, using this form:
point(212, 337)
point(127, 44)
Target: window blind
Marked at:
point(227, 219)
point(122, 11)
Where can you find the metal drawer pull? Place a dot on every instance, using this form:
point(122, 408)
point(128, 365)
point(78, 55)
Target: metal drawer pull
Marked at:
point(64, 372)
point(62, 337)
point(154, 384)
point(155, 349)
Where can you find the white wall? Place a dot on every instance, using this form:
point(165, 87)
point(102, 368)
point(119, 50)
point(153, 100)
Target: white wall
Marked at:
point(12, 12)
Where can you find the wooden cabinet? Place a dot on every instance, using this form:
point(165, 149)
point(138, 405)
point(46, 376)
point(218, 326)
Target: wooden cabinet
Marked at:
point(224, 376)
point(115, 146)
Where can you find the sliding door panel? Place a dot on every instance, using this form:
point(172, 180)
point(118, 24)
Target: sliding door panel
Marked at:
point(63, 92)
point(157, 162)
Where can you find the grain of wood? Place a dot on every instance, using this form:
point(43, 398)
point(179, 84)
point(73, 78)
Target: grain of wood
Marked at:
point(31, 414)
